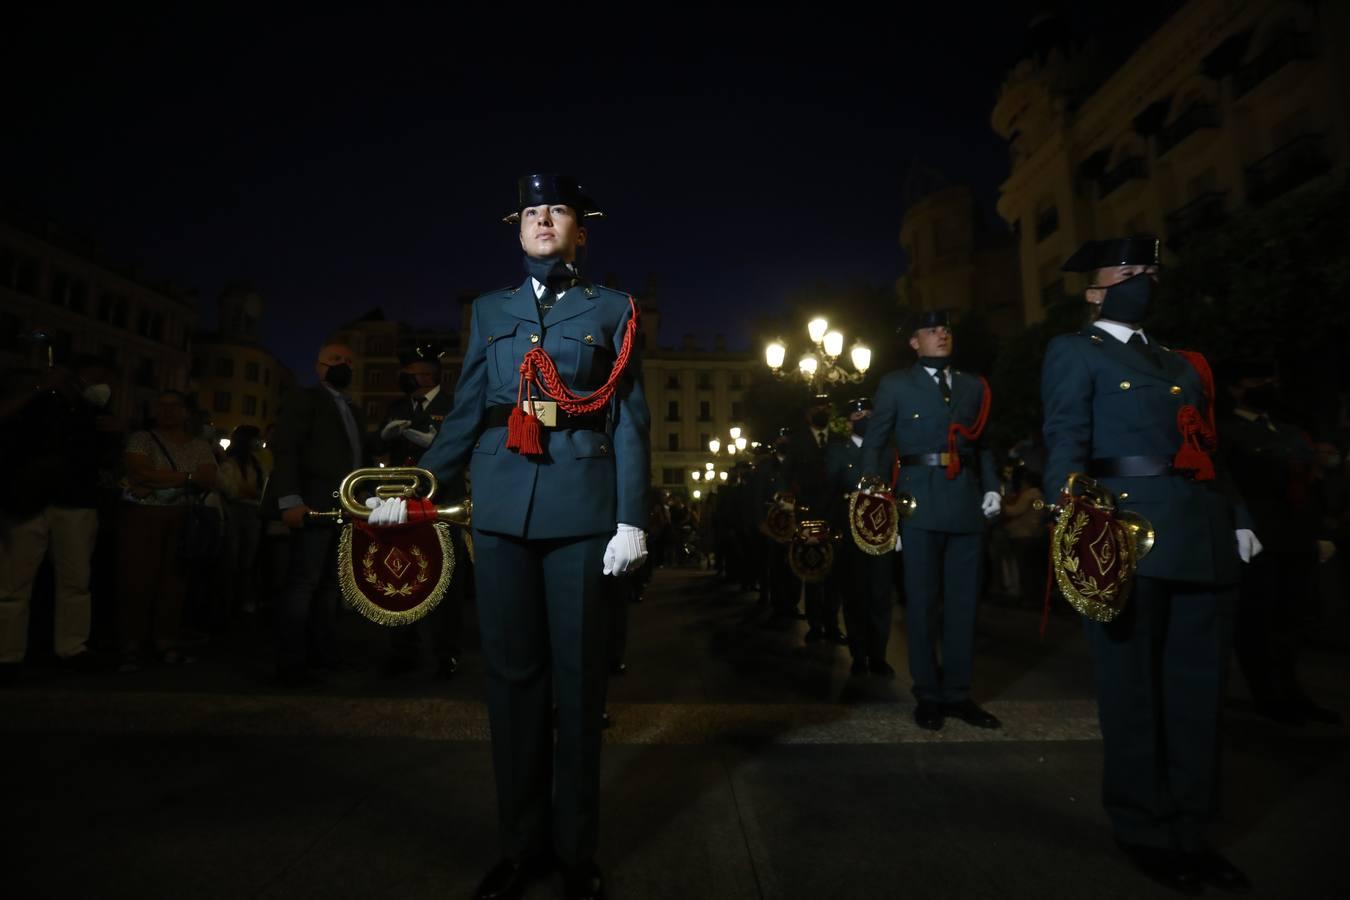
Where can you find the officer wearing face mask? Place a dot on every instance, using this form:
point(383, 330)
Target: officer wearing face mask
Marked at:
point(410, 426)
point(862, 581)
point(412, 422)
point(1273, 464)
point(319, 439)
point(56, 450)
point(1139, 418)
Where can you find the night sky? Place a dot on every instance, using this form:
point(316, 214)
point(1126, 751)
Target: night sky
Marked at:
point(356, 160)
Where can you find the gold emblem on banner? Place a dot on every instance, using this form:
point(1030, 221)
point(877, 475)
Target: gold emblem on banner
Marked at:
point(389, 573)
point(811, 555)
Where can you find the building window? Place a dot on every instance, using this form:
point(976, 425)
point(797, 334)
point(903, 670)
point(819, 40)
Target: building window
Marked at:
point(703, 439)
point(26, 276)
point(672, 476)
point(224, 367)
point(374, 413)
point(672, 382)
point(143, 323)
point(737, 410)
point(251, 372)
point(673, 411)
point(58, 286)
point(673, 441)
point(120, 310)
point(264, 409)
point(704, 411)
point(250, 405)
point(222, 403)
point(375, 377)
point(704, 381)
point(737, 379)
point(157, 327)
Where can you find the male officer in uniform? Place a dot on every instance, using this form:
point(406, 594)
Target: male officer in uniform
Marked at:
point(806, 475)
point(1116, 404)
point(862, 580)
point(410, 426)
point(559, 502)
point(1271, 463)
point(935, 414)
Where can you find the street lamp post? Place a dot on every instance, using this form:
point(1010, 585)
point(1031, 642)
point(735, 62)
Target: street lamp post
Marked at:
point(819, 366)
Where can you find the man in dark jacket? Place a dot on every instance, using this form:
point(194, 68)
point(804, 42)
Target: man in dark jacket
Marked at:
point(319, 440)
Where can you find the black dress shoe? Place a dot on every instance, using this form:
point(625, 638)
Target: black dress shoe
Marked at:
point(583, 882)
point(447, 668)
point(836, 636)
point(968, 712)
point(814, 634)
point(1166, 867)
point(507, 880)
point(859, 666)
point(1211, 868)
point(928, 715)
point(619, 668)
point(881, 667)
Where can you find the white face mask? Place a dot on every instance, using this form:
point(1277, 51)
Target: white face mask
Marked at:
point(98, 395)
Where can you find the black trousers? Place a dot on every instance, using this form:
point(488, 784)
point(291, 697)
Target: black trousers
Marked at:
point(306, 614)
point(1160, 673)
point(544, 623)
point(863, 583)
point(1266, 622)
point(943, 573)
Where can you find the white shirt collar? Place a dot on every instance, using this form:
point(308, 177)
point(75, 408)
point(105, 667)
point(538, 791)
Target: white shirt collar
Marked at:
point(430, 395)
point(857, 441)
point(539, 286)
point(1119, 330)
point(1246, 414)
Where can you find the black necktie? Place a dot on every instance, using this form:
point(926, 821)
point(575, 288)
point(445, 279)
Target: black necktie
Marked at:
point(941, 376)
point(1142, 347)
point(417, 405)
point(547, 299)
point(820, 440)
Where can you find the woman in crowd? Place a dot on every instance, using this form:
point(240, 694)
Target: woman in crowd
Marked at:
point(240, 483)
point(167, 468)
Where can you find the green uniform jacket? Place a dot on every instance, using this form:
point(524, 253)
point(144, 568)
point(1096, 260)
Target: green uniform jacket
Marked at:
point(1103, 399)
point(586, 481)
point(908, 410)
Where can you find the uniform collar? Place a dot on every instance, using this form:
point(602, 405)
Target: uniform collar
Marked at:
point(1120, 331)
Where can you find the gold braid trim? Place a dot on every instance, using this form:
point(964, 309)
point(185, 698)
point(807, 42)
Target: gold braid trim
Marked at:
point(357, 600)
point(874, 543)
point(1082, 591)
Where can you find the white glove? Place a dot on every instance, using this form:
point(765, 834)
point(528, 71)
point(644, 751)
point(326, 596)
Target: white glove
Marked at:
point(897, 542)
point(420, 438)
point(991, 505)
point(394, 429)
point(627, 550)
point(1325, 551)
point(393, 511)
point(1248, 545)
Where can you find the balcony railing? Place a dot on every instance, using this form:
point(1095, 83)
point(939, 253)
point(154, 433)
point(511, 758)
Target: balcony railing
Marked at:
point(1298, 161)
point(1288, 47)
point(1127, 170)
point(1204, 212)
point(1188, 123)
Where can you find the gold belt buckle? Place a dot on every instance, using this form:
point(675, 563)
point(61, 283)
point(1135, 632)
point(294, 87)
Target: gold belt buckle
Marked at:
point(944, 459)
point(545, 410)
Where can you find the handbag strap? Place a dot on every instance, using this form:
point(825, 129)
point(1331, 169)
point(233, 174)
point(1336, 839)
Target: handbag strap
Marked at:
point(165, 450)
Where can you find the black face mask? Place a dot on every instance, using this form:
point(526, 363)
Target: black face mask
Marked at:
point(1262, 398)
point(1129, 301)
point(819, 419)
point(407, 383)
point(860, 427)
point(339, 376)
point(935, 362)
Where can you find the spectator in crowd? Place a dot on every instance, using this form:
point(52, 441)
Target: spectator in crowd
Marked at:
point(167, 468)
point(54, 446)
point(241, 483)
point(1025, 528)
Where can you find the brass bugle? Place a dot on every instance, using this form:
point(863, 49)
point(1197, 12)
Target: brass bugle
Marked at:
point(905, 504)
point(1140, 528)
point(408, 482)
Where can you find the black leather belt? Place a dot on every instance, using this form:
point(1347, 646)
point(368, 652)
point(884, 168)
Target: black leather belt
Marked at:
point(497, 417)
point(934, 459)
point(1131, 467)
